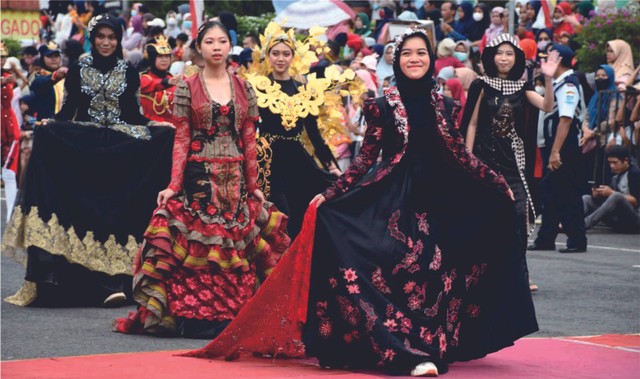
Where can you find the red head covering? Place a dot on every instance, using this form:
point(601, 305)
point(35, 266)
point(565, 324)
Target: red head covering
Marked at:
point(529, 47)
point(565, 8)
point(457, 92)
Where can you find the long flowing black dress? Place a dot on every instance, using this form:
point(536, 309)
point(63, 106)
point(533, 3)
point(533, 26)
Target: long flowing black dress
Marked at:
point(89, 189)
point(501, 133)
point(288, 175)
point(419, 263)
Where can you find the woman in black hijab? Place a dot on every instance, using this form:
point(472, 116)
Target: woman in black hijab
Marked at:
point(497, 125)
point(91, 183)
point(410, 263)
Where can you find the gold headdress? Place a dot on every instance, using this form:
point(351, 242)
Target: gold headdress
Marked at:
point(311, 96)
point(321, 97)
point(4, 52)
point(161, 46)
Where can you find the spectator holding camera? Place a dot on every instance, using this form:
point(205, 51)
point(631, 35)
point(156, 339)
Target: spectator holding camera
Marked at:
point(616, 204)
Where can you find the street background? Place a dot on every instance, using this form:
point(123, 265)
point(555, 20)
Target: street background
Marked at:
point(580, 295)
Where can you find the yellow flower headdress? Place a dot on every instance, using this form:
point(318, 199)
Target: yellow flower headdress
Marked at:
point(313, 94)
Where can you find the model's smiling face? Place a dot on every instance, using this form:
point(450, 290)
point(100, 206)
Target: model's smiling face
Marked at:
point(414, 58)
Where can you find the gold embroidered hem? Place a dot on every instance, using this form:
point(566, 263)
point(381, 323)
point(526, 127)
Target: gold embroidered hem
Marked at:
point(26, 295)
point(108, 257)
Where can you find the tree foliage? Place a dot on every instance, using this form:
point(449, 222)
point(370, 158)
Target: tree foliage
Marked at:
point(599, 30)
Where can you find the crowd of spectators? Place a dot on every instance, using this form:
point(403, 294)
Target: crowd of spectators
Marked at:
point(462, 30)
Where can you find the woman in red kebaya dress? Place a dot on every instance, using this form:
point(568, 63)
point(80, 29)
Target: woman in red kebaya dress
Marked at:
point(212, 234)
point(157, 85)
point(10, 128)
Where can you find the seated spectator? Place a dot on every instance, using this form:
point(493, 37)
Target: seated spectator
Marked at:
point(445, 74)
point(445, 55)
point(616, 205)
point(530, 49)
point(465, 76)
point(462, 51)
point(465, 24)
point(362, 25)
point(453, 89)
point(482, 18)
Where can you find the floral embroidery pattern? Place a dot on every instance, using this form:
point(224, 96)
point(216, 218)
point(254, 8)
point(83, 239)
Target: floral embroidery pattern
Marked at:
point(418, 298)
point(350, 275)
point(434, 310)
point(370, 314)
point(423, 225)
point(379, 282)
point(452, 312)
point(437, 259)
point(409, 261)
point(448, 280)
point(349, 313)
point(474, 277)
point(393, 227)
point(325, 327)
point(473, 310)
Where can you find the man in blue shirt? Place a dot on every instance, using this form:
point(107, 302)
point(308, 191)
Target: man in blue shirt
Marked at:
point(563, 180)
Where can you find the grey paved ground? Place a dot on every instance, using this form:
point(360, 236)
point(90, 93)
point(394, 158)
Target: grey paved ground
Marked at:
point(580, 294)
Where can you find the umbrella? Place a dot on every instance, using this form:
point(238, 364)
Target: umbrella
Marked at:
point(304, 14)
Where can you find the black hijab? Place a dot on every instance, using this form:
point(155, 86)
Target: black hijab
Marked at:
point(100, 62)
point(410, 88)
point(489, 53)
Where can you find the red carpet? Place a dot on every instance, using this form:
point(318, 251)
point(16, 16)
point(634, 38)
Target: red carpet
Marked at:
point(534, 358)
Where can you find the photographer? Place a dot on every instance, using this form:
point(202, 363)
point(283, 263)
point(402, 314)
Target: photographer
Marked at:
point(616, 205)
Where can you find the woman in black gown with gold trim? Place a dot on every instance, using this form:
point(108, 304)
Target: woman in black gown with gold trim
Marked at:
point(90, 185)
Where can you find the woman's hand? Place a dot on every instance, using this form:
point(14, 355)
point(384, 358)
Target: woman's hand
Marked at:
point(318, 200)
point(175, 80)
point(335, 171)
point(554, 161)
point(587, 134)
point(549, 65)
point(510, 194)
point(165, 195)
point(259, 195)
point(162, 123)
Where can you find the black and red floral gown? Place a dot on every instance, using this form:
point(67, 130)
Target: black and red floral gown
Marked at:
point(414, 260)
point(204, 252)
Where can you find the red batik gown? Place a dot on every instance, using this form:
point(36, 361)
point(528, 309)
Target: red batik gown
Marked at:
point(9, 125)
point(156, 96)
point(203, 251)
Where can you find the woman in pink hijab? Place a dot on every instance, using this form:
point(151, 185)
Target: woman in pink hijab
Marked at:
point(619, 56)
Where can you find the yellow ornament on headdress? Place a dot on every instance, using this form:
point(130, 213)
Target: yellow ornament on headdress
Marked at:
point(161, 46)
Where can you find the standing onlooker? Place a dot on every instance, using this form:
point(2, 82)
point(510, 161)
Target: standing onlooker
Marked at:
point(385, 65)
point(445, 56)
point(561, 24)
point(616, 205)
point(134, 40)
point(563, 182)
point(620, 57)
point(495, 29)
point(47, 82)
point(228, 19)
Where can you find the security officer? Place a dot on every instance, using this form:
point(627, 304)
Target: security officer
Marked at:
point(563, 180)
point(47, 82)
